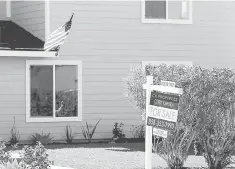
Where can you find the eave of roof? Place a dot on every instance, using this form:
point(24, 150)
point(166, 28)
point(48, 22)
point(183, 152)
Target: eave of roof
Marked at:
point(25, 53)
point(17, 42)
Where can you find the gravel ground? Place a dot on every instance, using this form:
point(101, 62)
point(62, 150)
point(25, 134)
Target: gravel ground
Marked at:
point(110, 158)
point(103, 158)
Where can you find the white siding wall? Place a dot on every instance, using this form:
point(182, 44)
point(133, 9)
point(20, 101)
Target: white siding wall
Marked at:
point(31, 16)
point(107, 37)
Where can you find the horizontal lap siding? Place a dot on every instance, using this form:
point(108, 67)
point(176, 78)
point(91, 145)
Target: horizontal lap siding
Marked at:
point(31, 16)
point(109, 37)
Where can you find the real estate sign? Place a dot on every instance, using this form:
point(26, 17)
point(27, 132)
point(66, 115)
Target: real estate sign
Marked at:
point(163, 110)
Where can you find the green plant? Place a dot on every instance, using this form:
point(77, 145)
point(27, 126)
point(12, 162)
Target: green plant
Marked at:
point(89, 131)
point(43, 138)
point(4, 156)
point(138, 131)
point(36, 157)
point(207, 98)
point(177, 143)
point(174, 149)
point(118, 131)
point(69, 134)
point(15, 136)
point(197, 147)
point(219, 144)
point(13, 164)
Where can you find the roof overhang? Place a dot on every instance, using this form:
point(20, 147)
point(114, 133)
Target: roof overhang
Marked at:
point(18, 53)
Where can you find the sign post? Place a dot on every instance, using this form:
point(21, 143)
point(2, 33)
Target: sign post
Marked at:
point(161, 112)
point(148, 135)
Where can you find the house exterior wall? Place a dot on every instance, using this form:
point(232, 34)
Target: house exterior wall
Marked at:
point(3, 10)
point(108, 37)
point(30, 15)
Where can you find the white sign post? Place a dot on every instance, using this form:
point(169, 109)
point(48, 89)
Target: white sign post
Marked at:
point(148, 135)
point(160, 112)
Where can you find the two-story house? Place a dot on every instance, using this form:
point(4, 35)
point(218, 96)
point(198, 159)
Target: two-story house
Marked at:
point(84, 82)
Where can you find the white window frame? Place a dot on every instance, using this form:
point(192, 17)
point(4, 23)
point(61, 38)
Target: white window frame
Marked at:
point(79, 87)
point(167, 20)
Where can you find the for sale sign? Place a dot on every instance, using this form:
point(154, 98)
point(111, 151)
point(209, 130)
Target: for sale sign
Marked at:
point(163, 113)
point(163, 110)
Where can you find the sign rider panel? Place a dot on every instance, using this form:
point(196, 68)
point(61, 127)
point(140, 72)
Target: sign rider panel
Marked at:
point(162, 124)
point(160, 132)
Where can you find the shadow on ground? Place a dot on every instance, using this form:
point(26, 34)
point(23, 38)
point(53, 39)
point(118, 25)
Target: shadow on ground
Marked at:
point(124, 147)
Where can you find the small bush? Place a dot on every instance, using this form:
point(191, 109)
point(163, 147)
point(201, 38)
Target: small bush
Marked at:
point(36, 157)
point(68, 135)
point(15, 136)
point(89, 131)
point(13, 164)
point(4, 156)
point(138, 132)
point(118, 131)
point(43, 138)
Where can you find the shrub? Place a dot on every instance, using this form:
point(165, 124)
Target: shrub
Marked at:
point(15, 136)
point(138, 132)
point(174, 149)
point(219, 144)
point(4, 156)
point(43, 138)
point(36, 157)
point(68, 134)
point(89, 131)
point(207, 98)
point(118, 131)
point(13, 164)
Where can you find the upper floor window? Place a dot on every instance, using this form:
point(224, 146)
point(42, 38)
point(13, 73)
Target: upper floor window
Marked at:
point(167, 11)
point(53, 90)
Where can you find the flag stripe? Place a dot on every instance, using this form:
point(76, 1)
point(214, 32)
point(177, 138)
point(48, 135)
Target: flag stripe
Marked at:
point(56, 31)
point(57, 37)
point(55, 43)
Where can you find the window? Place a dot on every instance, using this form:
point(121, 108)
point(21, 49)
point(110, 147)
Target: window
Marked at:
point(167, 11)
point(53, 90)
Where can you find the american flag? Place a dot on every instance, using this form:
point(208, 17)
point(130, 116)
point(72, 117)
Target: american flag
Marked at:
point(58, 37)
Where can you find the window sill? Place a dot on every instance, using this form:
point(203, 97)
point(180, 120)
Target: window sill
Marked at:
point(51, 119)
point(168, 21)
